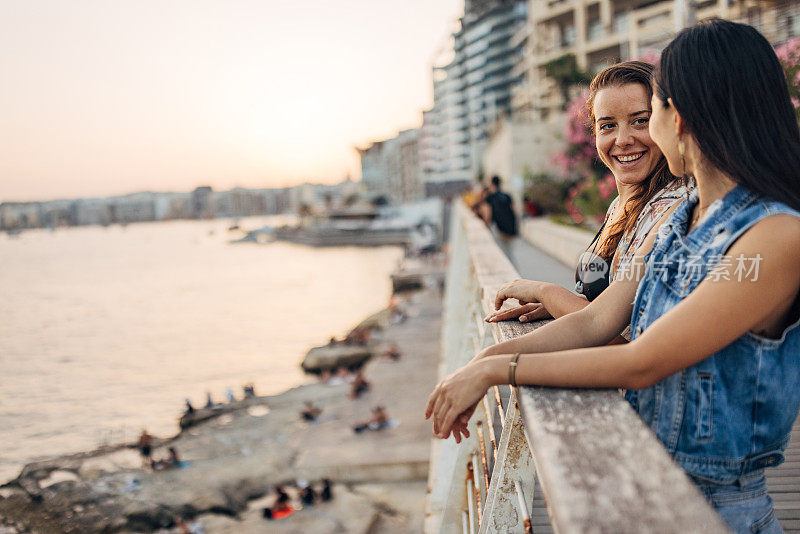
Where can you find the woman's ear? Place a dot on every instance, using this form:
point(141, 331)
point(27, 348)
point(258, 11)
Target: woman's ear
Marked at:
point(676, 119)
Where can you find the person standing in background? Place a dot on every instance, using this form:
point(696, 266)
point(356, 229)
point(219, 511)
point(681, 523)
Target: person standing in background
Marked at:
point(504, 219)
point(146, 447)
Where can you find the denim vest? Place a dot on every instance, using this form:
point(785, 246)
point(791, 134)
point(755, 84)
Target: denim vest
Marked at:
point(731, 413)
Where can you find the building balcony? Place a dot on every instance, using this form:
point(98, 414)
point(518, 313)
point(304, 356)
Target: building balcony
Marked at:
point(546, 11)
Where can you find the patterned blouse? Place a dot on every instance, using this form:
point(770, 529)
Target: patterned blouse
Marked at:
point(651, 213)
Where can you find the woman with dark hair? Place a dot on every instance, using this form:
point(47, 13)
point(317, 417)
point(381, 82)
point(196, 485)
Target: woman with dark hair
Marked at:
point(714, 361)
point(619, 111)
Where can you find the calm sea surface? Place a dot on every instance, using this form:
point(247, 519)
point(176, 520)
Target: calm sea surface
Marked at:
point(104, 331)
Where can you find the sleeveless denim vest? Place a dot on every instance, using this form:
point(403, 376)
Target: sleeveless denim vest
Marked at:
point(731, 413)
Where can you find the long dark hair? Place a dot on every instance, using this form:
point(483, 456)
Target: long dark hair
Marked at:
point(617, 75)
point(729, 87)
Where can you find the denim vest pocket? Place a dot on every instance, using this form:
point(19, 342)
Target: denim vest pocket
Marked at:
point(705, 406)
point(679, 284)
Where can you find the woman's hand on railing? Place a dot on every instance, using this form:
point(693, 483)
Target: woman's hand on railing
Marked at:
point(454, 400)
point(534, 311)
point(525, 291)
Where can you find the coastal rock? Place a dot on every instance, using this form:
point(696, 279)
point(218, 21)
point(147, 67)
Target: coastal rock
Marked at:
point(330, 357)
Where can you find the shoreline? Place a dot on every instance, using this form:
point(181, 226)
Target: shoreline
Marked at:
point(236, 457)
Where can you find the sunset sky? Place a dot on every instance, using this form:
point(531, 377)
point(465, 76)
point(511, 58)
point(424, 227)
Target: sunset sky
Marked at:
point(107, 97)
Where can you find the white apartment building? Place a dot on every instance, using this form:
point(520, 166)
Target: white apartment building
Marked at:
point(392, 167)
point(373, 169)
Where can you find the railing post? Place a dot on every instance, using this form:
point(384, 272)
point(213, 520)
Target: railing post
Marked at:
point(514, 466)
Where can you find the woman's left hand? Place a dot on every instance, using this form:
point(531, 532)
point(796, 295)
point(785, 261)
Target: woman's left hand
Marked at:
point(455, 398)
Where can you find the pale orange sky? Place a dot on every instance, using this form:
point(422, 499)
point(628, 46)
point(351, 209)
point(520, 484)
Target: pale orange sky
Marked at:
point(106, 97)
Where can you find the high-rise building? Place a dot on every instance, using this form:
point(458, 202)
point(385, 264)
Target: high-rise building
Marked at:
point(470, 91)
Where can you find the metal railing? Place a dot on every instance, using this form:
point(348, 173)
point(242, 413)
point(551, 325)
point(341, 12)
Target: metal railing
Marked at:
point(599, 467)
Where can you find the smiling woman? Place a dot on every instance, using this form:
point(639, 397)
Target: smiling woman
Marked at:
point(619, 112)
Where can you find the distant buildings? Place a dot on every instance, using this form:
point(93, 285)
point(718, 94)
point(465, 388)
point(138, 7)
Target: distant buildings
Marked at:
point(391, 168)
point(201, 203)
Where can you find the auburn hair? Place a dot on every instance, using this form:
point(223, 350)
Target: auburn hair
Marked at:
point(617, 75)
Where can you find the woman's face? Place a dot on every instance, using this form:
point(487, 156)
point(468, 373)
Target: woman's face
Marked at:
point(622, 114)
point(662, 131)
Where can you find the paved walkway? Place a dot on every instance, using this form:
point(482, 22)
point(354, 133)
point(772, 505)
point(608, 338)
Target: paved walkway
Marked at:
point(783, 481)
point(533, 264)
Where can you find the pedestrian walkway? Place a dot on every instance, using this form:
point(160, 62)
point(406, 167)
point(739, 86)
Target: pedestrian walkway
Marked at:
point(783, 481)
point(533, 264)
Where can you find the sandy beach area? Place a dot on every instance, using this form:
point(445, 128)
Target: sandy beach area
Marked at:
point(235, 459)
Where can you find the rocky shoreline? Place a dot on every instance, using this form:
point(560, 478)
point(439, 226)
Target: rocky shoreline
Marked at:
point(236, 458)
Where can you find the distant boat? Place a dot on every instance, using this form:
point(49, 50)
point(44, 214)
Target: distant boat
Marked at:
point(348, 227)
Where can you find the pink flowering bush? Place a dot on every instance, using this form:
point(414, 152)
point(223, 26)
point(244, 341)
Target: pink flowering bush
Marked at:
point(789, 55)
point(579, 158)
point(590, 195)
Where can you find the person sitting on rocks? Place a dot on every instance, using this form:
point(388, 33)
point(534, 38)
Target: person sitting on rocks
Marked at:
point(393, 353)
point(249, 390)
point(229, 394)
point(359, 386)
point(311, 412)
point(173, 459)
point(282, 506)
point(379, 421)
point(189, 407)
point(171, 462)
point(189, 523)
point(209, 400)
point(307, 494)
point(398, 316)
point(325, 376)
point(327, 492)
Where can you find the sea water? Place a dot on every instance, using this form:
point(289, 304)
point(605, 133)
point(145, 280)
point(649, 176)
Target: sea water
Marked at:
point(105, 331)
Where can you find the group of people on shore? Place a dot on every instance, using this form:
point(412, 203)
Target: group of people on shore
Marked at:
point(705, 151)
point(306, 496)
point(248, 392)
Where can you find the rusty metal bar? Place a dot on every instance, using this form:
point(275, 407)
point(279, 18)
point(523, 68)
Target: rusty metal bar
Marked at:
point(523, 508)
point(471, 505)
point(482, 443)
point(477, 486)
point(490, 424)
point(499, 404)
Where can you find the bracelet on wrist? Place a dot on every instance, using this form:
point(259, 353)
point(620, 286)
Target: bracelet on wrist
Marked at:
point(512, 370)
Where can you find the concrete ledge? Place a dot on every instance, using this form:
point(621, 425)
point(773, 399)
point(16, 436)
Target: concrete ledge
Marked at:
point(562, 242)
